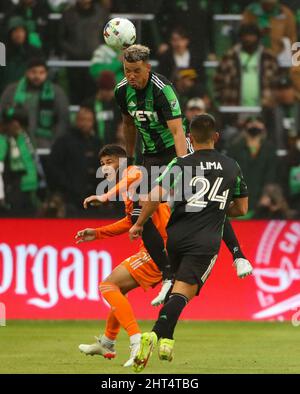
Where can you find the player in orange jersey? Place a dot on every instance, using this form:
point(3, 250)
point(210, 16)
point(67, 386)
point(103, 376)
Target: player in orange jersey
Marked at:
point(138, 270)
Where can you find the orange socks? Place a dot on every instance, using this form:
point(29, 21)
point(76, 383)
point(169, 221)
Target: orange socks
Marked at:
point(112, 327)
point(121, 309)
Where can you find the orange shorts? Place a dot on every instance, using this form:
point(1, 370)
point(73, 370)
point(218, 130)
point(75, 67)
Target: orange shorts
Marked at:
point(143, 269)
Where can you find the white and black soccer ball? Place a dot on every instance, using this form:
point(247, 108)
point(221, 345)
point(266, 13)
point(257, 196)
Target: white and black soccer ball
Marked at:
point(119, 33)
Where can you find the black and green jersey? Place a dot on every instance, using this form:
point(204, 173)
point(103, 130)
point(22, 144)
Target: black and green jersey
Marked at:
point(204, 184)
point(151, 108)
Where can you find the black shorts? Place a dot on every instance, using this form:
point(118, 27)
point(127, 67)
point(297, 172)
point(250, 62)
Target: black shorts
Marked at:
point(161, 159)
point(192, 269)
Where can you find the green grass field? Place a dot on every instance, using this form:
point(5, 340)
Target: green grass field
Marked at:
point(201, 347)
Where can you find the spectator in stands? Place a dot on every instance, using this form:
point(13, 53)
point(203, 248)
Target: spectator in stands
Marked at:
point(294, 5)
point(246, 72)
point(79, 36)
point(107, 113)
point(194, 107)
point(290, 174)
point(272, 205)
point(187, 85)
point(52, 207)
point(74, 161)
point(35, 14)
point(276, 22)
point(195, 17)
point(179, 56)
point(18, 52)
point(257, 159)
point(18, 169)
point(44, 102)
point(283, 120)
point(106, 58)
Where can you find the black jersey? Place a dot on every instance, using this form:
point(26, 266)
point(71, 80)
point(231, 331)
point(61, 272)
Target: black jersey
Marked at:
point(151, 108)
point(204, 184)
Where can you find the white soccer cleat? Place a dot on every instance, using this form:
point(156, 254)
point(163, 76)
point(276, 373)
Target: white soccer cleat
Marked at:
point(167, 284)
point(243, 267)
point(99, 349)
point(133, 352)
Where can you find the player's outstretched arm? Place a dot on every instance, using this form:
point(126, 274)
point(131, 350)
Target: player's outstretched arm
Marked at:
point(111, 230)
point(95, 200)
point(149, 207)
point(176, 128)
point(238, 207)
point(86, 235)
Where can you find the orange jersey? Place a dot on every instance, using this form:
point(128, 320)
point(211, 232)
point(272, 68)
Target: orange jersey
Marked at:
point(127, 185)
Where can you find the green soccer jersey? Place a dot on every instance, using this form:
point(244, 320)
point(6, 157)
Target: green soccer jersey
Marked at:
point(151, 108)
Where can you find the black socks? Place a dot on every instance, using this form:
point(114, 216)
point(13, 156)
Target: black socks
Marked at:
point(169, 315)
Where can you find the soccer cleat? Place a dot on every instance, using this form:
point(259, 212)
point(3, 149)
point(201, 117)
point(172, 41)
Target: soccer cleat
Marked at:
point(148, 342)
point(160, 298)
point(133, 352)
point(243, 267)
point(166, 349)
point(99, 349)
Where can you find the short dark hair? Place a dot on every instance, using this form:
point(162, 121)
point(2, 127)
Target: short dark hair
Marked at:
point(86, 107)
point(136, 53)
point(255, 118)
point(112, 150)
point(36, 62)
point(181, 32)
point(203, 128)
point(249, 29)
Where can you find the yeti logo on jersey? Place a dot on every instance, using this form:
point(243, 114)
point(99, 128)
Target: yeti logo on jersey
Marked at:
point(144, 116)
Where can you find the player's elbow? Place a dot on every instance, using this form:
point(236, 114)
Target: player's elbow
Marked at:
point(177, 132)
point(239, 207)
point(175, 126)
point(243, 211)
point(243, 206)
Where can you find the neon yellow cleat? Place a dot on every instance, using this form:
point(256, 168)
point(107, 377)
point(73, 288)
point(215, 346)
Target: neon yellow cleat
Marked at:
point(166, 349)
point(147, 344)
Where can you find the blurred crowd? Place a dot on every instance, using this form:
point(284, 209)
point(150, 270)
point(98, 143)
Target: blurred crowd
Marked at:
point(55, 117)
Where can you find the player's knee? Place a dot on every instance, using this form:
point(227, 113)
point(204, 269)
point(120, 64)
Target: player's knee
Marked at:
point(107, 287)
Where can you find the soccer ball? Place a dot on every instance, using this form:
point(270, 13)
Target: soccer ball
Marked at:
point(119, 33)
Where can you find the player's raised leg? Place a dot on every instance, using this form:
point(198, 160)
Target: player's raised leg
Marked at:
point(164, 327)
point(155, 246)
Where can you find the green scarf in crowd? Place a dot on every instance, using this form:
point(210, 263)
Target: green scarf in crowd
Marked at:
point(33, 36)
point(20, 159)
point(46, 116)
